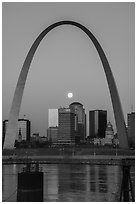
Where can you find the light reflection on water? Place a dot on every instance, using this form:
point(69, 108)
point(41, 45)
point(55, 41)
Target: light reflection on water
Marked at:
point(70, 182)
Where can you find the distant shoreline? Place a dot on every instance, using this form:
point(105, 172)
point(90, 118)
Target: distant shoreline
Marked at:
point(76, 159)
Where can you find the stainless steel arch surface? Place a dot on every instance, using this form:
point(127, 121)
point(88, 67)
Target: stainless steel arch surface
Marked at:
point(15, 108)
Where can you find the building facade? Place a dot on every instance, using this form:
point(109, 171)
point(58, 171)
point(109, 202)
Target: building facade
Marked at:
point(66, 129)
point(97, 123)
point(131, 126)
point(109, 134)
point(52, 134)
point(80, 118)
point(53, 117)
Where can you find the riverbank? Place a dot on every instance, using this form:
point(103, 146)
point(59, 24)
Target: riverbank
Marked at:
point(73, 159)
point(68, 151)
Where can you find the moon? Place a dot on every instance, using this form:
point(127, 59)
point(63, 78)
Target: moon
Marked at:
point(70, 95)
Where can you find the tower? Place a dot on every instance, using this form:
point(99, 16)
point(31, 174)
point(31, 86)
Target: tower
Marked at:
point(80, 116)
point(97, 123)
point(66, 129)
point(53, 118)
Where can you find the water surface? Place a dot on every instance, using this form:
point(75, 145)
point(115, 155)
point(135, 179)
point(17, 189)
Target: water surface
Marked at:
point(70, 182)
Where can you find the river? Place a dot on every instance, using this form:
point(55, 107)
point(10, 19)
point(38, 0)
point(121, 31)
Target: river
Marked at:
point(70, 182)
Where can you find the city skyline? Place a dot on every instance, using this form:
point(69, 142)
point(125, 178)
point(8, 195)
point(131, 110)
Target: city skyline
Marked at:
point(53, 119)
point(58, 82)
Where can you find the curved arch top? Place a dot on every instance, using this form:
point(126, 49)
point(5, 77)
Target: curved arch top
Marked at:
point(15, 108)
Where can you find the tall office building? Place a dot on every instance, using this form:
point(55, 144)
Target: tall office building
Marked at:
point(52, 131)
point(80, 118)
point(53, 118)
point(131, 126)
point(24, 129)
point(66, 129)
point(97, 123)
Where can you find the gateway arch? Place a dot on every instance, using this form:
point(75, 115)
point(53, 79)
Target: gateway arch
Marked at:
point(16, 103)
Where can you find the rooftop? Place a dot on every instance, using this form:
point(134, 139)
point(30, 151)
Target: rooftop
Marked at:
point(76, 103)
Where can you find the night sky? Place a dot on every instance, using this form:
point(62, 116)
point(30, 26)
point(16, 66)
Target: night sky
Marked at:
point(66, 60)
